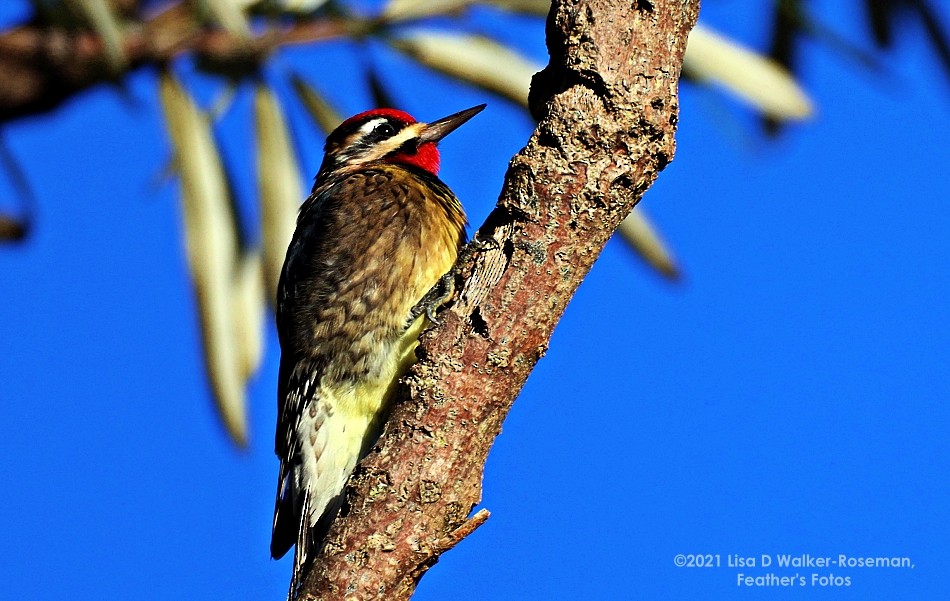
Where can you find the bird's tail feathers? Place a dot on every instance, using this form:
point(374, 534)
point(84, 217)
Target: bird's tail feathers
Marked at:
point(329, 459)
point(310, 540)
point(301, 550)
point(286, 520)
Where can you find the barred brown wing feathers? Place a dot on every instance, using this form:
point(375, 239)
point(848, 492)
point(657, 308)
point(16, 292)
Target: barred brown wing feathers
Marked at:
point(368, 246)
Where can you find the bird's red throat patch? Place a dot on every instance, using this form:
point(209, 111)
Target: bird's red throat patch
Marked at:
point(425, 157)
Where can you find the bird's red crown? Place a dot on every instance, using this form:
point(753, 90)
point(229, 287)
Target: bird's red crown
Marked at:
point(394, 113)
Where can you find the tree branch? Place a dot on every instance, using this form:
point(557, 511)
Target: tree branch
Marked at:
point(607, 111)
point(43, 66)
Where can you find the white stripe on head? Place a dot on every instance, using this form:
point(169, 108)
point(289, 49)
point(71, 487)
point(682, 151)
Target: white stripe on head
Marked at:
point(368, 127)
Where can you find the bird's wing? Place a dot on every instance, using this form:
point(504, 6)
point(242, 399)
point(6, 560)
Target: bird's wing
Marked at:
point(295, 387)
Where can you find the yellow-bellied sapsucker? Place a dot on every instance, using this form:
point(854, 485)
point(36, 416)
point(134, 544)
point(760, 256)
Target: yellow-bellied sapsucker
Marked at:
point(377, 233)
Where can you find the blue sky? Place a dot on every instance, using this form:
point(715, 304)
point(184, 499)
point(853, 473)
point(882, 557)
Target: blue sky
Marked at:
point(789, 396)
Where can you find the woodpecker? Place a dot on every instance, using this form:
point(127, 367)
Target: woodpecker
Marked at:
point(372, 244)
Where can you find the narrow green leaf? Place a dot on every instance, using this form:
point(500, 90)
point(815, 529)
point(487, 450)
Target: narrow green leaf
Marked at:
point(474, 59)
point(637, 230)
point(322, 113)
point(229, 14)
point(403, 10)
point(538, 8)
point(278, 181)
point(249, 308)
point(99, 15)
point(278, 7)
point(755, 79)
point(212, 243)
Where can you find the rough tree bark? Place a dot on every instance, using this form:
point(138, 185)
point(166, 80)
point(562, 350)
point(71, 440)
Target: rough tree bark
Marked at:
point(607, 111)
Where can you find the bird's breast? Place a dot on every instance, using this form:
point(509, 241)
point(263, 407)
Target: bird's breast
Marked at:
point(373, 243)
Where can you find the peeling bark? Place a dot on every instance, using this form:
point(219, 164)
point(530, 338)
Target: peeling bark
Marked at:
point(607, 110)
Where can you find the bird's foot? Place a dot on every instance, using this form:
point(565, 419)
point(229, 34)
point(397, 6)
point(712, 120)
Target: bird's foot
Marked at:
point(435, 298)
point(440, 294)
point(476, 246)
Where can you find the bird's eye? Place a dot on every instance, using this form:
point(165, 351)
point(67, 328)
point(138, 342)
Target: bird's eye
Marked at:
point(384, 129)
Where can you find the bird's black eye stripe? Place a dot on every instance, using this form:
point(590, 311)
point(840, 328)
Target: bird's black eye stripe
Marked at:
point(409, 147)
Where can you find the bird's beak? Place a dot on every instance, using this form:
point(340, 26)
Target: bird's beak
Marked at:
point(435, 131)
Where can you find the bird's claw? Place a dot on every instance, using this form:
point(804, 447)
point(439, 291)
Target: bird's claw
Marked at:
point(435, 299)
point(443, 290)
point(430, 315)
point(477, 245)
